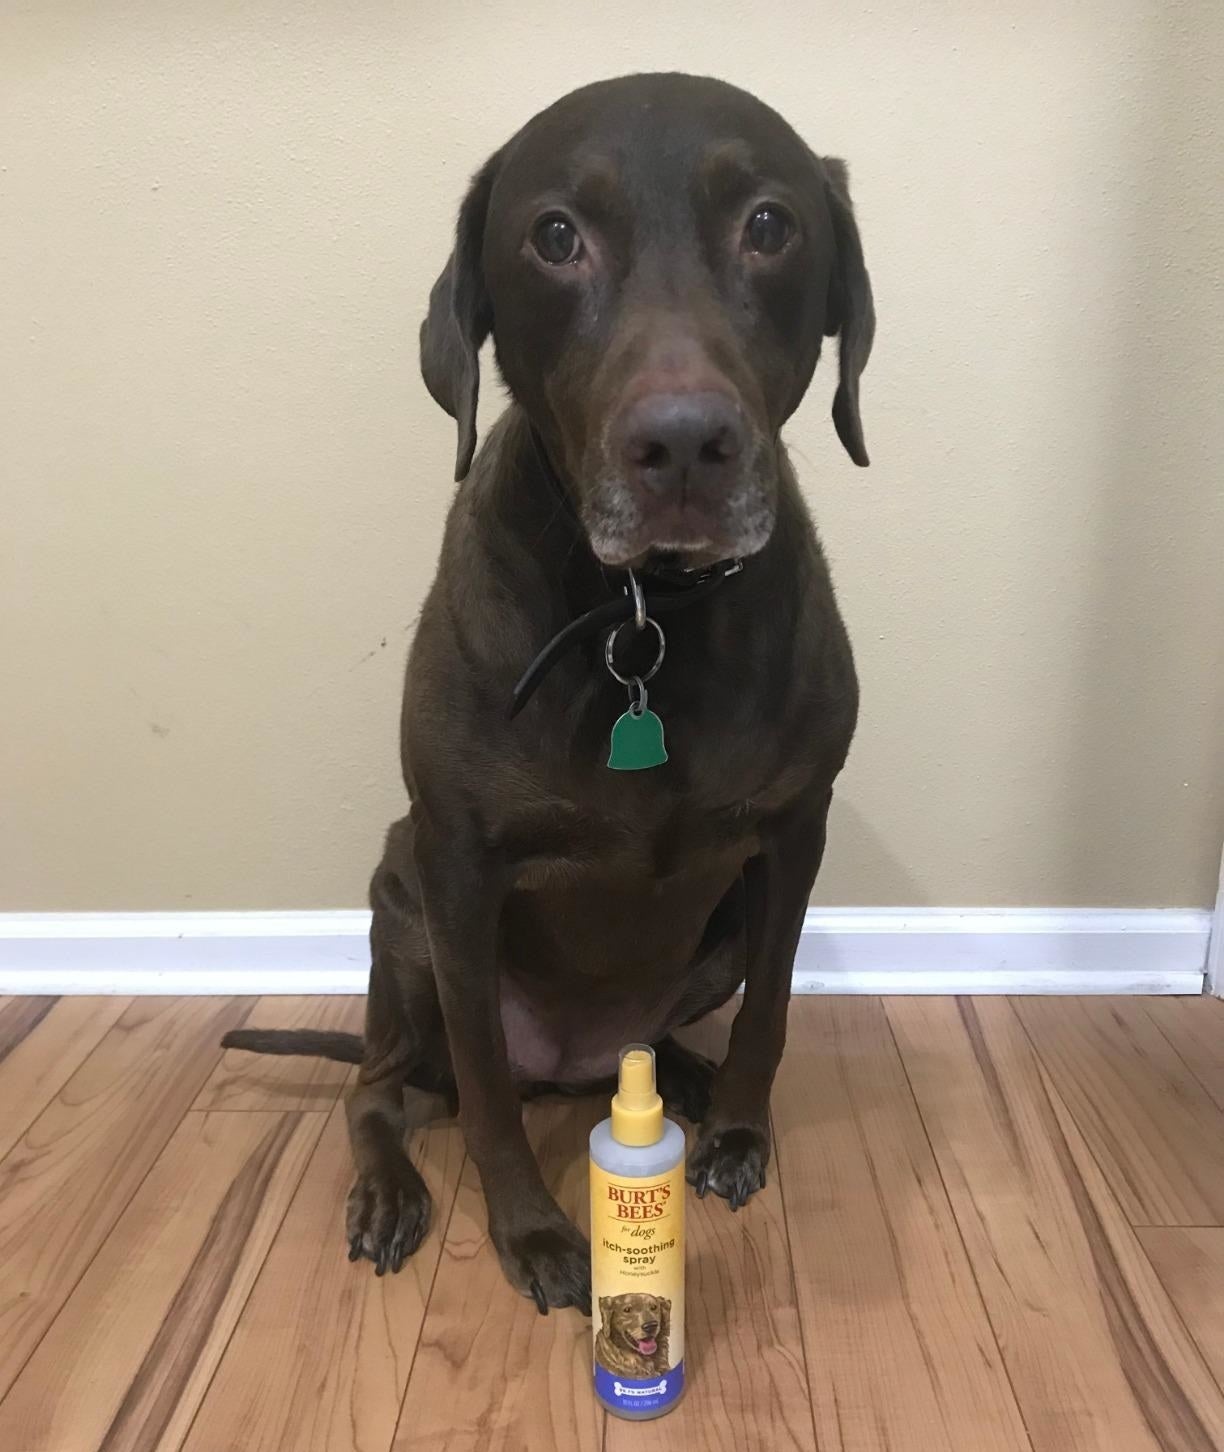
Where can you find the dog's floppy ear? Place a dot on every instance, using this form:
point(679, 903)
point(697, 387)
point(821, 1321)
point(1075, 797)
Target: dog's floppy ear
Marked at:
point(665, 1317)
point(460, 318)
point(851, 310)
point(606, 1304)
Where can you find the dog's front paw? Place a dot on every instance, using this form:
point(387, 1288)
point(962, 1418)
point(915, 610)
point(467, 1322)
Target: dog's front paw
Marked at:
point(731, 1162)
point(550, 1262)
point(387, 1216)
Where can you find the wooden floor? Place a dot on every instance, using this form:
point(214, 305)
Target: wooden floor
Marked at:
point(991, 1225)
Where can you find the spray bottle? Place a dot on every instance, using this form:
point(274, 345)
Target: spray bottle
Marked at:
point(637, 1247)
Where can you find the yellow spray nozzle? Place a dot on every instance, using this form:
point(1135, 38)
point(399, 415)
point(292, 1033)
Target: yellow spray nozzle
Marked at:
point(637, 1077)
point(637, 1110)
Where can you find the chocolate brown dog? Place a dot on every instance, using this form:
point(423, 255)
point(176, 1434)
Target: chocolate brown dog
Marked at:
point(658, 259)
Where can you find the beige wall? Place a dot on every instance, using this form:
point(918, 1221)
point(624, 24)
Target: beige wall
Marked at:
point(223, 482)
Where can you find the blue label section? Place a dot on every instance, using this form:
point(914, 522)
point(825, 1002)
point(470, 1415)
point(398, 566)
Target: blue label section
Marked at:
point(640, 1396)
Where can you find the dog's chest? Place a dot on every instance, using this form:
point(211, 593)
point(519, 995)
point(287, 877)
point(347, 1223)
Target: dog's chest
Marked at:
point(627, 910)
point(639, 848)
point(603, 945)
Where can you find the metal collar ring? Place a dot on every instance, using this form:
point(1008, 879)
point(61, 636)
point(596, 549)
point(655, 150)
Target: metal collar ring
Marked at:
point(610, 653)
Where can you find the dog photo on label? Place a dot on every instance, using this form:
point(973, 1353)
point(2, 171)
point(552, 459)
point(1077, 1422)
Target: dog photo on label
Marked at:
point(630, 690)
point(632, 1339)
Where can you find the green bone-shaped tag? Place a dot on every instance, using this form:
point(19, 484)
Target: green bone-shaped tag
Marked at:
point(637, 742)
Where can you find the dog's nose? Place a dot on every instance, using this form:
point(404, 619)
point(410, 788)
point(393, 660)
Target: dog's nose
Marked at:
point(673, 440)
point(649, 1328)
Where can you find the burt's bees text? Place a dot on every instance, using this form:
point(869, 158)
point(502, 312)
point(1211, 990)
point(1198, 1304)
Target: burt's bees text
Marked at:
point(649, 1203)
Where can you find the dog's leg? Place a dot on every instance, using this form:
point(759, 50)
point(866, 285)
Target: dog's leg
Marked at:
point(733, 1146)
point(404, 1041)
point(542, 1252)
point(684, 1079)
point(389, 1205)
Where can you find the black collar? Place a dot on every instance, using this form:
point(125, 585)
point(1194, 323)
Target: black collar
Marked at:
point(666, 590)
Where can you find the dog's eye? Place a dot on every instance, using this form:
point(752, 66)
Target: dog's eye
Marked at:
point(769, 229)
point(557, 241)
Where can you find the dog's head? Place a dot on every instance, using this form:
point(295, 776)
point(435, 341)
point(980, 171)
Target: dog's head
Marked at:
point(637, 1323)
point(658, 259)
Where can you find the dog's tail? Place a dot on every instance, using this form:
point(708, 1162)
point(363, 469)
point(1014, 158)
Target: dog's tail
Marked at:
point(347, 1048)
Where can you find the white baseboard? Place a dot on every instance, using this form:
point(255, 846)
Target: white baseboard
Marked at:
point(843, 950)
point(1008, 950)
point(188, 952)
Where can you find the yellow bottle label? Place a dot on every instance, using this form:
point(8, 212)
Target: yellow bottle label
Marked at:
point(637, 1283)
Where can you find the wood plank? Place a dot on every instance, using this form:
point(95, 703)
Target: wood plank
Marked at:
point(1190, 1264)
point(1195, 1028)
point(900, 1353)
point(67, 1181)
point(1153, 1127)
point(43, 1042)
point(491, 1373)
point(1151, 1337)
point(1096, 1353)
point(321, 1355)
point(133, 1350)
point(264, 1081)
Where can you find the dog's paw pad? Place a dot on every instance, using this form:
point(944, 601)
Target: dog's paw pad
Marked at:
point(387, 1217)
point(729, 1162)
